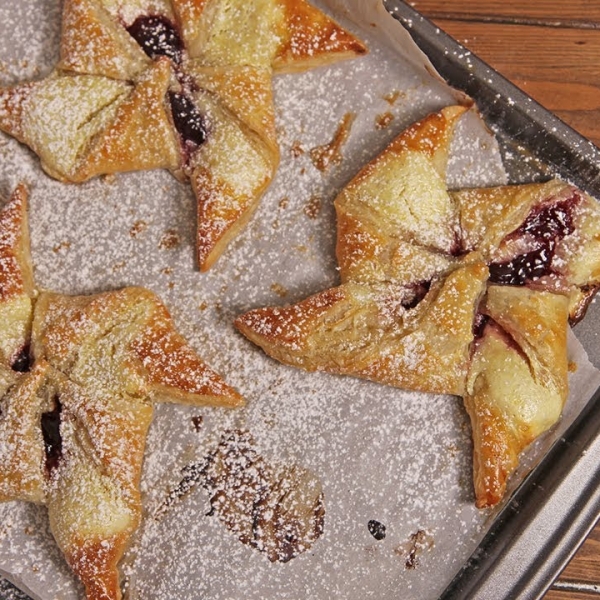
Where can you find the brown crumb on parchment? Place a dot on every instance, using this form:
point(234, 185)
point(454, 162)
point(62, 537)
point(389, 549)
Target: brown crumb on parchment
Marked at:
point(279, 290)
point(197, 422)
point(330, 154)
point(170, 240)
point(61, 247)
point(383, 120)
point(138, 228)
point(392, 97)
point(297, 149)
point(417, 544)
point(313, 207)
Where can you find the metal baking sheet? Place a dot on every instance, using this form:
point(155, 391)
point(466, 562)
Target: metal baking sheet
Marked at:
point(554, 509)
point(534, 144)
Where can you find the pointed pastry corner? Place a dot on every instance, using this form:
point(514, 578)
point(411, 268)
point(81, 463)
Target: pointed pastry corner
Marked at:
point(432, 135)
point(12, 103)
point(313, 39)
point(222, 210)
point(285, 332)
point(95, 563)
point(21, 442)
point(173, 369)
point(91, 42)
point(17, 289)
point(13, 215)
point(513, 394)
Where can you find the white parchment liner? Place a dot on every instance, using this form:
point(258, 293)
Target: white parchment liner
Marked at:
point(401, 458)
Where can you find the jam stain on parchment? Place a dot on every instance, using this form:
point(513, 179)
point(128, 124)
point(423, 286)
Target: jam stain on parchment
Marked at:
point(275, 508)
point(418, 543)
point(376, 529)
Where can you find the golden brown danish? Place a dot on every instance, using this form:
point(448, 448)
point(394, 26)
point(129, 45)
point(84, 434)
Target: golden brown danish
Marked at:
point(183, 85)
point(78, 382)
point(467, 293)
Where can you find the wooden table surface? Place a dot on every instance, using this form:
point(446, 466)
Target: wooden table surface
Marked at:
point(551, 50)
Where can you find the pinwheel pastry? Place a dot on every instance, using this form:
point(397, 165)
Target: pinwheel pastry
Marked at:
point(467, 293)
point(78, 379)
point(183, 85)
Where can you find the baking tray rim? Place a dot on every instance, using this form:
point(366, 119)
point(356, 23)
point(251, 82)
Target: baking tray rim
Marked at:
point(555, 507)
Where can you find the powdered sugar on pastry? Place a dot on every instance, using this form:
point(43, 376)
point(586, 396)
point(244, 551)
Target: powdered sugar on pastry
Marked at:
point(409, 469)
point(466, 326)
point(130, 92)
point(75, 410)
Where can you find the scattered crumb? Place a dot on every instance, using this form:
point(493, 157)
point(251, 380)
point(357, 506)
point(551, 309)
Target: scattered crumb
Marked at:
point(62, 246)
point(393, 96)
point(283, 203)
point(330, 154)
point(376, 529)
point(297, 149)
point(109, 178)
point(138, 228)
point(418, 543)
point(279, 290)
point(383, 120)
point(313, 207)
point(170, 240)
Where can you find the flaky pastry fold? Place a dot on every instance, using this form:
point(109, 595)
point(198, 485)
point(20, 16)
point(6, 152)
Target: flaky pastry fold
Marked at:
point(466, 292)
point(79, 376)
point(183, 85)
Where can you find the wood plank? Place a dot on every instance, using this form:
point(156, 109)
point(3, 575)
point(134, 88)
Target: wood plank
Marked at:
point(569, 595)
point(559, 68)
point(587, 566)
point(529, 52)
point(574, 13)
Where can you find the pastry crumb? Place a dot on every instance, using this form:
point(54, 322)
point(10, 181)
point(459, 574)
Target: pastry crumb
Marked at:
point(327, 155)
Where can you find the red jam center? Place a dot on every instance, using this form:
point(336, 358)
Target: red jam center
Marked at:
point(157, 36)
point(188, 120)
point(22, 362)
point(546, 225)
point(50, 423)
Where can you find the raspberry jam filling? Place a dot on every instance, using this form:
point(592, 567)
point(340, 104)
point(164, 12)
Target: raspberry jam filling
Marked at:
point(188, 121)
point(157, 36)
point(419, 292)
point(50, 422)
point(22, 362)
point(546, 226)
point(480, 322)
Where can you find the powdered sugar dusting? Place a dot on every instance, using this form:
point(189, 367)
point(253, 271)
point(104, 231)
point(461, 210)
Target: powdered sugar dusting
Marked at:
point(402, 459)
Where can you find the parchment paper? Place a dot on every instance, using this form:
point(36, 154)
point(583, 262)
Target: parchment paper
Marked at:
point(403, 459)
